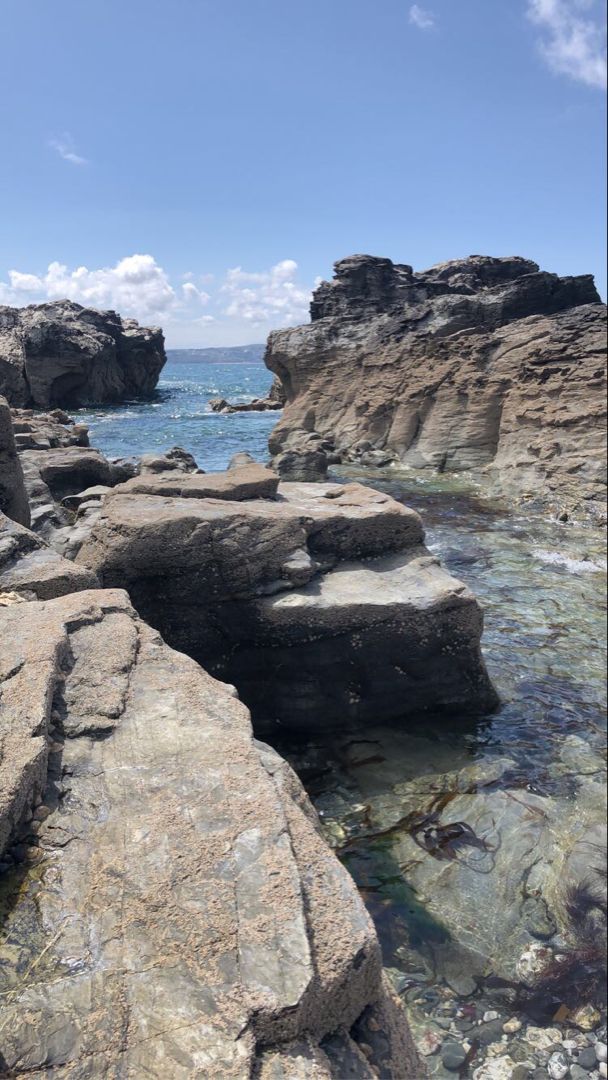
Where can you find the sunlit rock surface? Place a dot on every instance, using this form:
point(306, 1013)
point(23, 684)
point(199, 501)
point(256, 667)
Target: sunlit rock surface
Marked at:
point(481, 364)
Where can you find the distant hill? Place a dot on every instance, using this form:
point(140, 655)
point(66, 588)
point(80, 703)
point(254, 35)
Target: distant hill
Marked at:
point(235, 354)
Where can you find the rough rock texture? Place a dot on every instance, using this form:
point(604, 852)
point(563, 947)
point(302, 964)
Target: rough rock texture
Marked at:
point(321, 604)
point(55, 478)
point(13, 496)
point(184, 917)
point(31, 569)
point(64, 354)
point(479, 364)
point(41, 431)
point(273, 403)
point(174, 460)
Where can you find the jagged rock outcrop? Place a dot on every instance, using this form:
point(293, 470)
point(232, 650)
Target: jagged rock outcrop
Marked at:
point(272, 403)
point(172, 907)
point(480, 364)
point(13, 496)
point(63, 354)
point(319, 602)
point(42, 431)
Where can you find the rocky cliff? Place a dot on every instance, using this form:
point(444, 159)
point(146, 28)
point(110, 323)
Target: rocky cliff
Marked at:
point(63, 354)
point(487, 365)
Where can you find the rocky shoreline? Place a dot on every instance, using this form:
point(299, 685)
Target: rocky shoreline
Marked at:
point(146, 832)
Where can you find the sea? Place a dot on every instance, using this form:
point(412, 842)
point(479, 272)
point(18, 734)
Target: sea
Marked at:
point(179, 415)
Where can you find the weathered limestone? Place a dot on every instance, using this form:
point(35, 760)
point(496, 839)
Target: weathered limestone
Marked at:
point(63, 354)
point(185, 917)
point(321, 603)
point(13, 496)
point(481, 364)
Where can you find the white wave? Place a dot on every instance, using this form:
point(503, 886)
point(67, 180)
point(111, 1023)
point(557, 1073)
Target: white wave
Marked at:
point(574, 566)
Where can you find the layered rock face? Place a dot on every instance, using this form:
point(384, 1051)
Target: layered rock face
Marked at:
point(481, 364)
point(181, 915)
point(13, 496)
point(318, 601)
point(63, 354)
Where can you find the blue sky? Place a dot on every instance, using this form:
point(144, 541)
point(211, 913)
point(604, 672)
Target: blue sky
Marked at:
point(199, 163)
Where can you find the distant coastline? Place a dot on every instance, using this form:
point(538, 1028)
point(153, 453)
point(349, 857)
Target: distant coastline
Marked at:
point(234, 354)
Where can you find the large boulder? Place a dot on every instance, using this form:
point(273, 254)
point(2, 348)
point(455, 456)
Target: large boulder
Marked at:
point(61, 353)
point(320, 602)
point(481, 364)
point(183, 916)
point(13, 496)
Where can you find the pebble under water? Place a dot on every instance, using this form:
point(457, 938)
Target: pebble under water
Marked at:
point(453, 827)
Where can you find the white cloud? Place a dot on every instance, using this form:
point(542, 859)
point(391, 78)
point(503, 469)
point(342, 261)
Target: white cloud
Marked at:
point(421, 18)
point(64, 145)
point(273, 296)
point(136, 286)
point(191, 292)
point(239, 308)
point(574, 38)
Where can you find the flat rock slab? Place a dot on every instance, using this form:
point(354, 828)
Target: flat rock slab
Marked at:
point(248, 482)
point(185, 916)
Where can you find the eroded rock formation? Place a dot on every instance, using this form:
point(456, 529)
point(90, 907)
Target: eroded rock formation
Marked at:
point(63, 354)
point(320, 602)
point(481, 364)
point(272, 403)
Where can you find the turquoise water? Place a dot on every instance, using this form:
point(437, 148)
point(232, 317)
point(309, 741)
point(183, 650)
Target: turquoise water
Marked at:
point(179, 415)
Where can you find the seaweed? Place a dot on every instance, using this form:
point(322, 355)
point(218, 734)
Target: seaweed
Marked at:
point(577, 974)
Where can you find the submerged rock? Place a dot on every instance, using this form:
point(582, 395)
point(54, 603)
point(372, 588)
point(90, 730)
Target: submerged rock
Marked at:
point(481, 364)
point(63, 354)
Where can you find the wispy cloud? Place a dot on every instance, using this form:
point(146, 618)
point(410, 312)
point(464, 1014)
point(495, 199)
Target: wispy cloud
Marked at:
point(573, 40)
point(421, 18)
point(64, 145)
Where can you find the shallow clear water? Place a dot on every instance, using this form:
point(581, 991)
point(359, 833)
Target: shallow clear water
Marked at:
point(179, 415)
